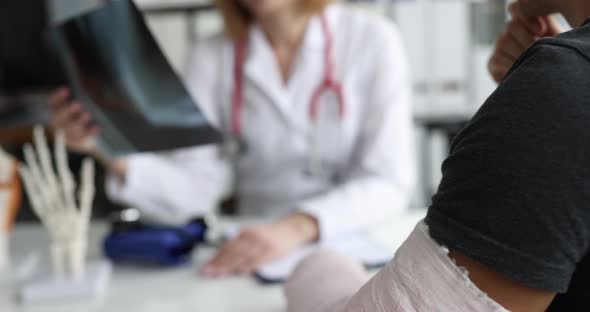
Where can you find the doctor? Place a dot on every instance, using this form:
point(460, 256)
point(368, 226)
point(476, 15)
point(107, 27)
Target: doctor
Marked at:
point(315, 102)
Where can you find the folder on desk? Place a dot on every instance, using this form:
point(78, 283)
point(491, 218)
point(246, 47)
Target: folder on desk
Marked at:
point(360, 247)
point(119, 73)
point(369, 248)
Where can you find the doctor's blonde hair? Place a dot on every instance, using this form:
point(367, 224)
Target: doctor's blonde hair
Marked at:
point(237, 19)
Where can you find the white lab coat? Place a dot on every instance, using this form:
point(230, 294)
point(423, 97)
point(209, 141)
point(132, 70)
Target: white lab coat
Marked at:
point(373, 162)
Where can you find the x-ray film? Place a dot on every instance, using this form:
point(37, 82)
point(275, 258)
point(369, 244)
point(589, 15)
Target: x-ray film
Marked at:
point(117, 70)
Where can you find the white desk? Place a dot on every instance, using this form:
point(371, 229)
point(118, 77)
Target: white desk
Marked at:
point(157, 290)
point(181, 289)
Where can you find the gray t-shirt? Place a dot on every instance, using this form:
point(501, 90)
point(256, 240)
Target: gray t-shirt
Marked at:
point(515, 194)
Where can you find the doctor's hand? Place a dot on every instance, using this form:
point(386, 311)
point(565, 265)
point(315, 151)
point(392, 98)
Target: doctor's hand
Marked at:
point(258, 245)
point(80, 131)
point(521, 32)
point(77, 124)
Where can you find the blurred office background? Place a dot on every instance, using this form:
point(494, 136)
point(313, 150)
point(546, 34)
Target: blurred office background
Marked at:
point(448, 42)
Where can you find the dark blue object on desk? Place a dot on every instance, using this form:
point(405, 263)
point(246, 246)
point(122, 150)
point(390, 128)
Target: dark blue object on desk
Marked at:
point(153, 245)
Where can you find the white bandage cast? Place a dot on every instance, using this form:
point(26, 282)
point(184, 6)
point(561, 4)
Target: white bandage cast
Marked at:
point(53, 200)
point(421, 277)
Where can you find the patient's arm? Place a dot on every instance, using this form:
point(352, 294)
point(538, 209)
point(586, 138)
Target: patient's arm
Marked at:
point(324, 282)
point(421, 277)
point(512, 295)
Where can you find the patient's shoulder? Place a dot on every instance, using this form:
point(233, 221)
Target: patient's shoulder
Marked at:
point(577, 39)
point(552, 57)
point(548, 78)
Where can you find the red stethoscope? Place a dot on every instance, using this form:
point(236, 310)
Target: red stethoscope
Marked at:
point(329, 84)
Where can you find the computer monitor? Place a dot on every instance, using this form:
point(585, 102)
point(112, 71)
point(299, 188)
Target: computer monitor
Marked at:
point(27, 62)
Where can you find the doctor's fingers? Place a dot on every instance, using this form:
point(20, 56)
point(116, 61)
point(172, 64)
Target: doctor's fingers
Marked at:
point(81, 128)
point(59, 98)
point(76, 123)
point(226, 259)
point(66, 115)
point(244, 256)
point(255, 256)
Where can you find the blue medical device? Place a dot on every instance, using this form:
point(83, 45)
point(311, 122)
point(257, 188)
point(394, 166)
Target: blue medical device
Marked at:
point(138, 243)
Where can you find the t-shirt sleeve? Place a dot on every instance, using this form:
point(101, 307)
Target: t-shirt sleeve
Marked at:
point(515, 193)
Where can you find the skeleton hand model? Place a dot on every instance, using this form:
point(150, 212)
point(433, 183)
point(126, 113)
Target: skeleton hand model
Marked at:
point(53, 199)
point(10, 195)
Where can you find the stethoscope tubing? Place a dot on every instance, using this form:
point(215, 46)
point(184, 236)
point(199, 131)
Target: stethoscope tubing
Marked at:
point(329, 84)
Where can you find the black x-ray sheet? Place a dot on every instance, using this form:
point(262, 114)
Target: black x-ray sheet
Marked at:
point(117, 70)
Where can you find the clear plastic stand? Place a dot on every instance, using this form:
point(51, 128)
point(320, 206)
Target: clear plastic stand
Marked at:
point(45, 288)
point(19, 269)
point(4, 252)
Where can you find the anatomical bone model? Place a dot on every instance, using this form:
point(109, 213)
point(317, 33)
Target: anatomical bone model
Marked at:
point(53, 199)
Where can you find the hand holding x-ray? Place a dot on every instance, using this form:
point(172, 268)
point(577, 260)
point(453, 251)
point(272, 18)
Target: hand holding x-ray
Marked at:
point(53, 198)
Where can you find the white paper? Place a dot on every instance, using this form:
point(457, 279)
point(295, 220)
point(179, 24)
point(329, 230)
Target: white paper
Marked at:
point(358, 246)
point(372, 248)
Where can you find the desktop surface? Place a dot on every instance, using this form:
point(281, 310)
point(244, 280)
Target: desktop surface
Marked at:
point(137, 289)
point(134, 289)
